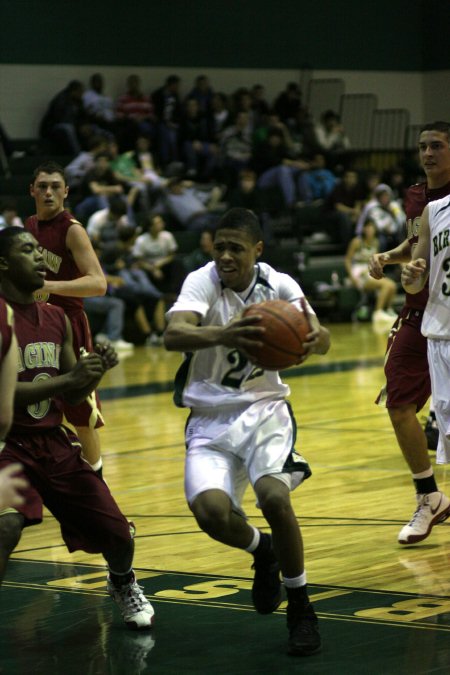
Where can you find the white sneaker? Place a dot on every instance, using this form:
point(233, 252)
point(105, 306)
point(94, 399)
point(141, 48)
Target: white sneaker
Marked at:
point(431, 509)
point(381, 315)
point(122, 345)
point(137, 612)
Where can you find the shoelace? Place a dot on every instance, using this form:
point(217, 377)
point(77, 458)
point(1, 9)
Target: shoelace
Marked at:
point(133, 596)
point(419, 513)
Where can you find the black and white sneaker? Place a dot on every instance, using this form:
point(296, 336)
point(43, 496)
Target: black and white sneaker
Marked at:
point(304, 637)
point(266, 589)
point(136, 610)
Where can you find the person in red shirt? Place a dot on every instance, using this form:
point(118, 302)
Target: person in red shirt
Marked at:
point(73, 273)
point(408, 385)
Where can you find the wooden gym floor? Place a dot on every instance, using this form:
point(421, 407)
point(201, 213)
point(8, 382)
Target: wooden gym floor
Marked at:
point(382, 608)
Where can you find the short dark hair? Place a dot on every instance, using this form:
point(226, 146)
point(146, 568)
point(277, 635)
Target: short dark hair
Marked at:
point(49, 166)
point(243, 220)
point(443, 127)
point(7, 237)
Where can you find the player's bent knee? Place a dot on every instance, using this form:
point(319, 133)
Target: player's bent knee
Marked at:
point(402, 414)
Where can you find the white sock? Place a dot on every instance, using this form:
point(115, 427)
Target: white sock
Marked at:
point(295, 582)
point(424, 474)
point(255, 541)
point(98, 465)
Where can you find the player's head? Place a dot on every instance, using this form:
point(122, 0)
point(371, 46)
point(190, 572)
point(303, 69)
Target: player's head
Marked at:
point(22, 266)
point(237, 246)
point(434, 152)
point(49, 189)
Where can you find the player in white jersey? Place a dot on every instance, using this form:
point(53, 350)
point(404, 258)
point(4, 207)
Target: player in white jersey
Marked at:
point(241, 427)
point(431, 258)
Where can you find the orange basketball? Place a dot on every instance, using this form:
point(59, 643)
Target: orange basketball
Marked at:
point(286, 327)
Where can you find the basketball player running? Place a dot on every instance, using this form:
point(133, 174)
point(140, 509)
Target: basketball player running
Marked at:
point(50, 453)
point(74, 273)
point(430, 259)
point(241, 428)
point(10, 482)
point(408, 385)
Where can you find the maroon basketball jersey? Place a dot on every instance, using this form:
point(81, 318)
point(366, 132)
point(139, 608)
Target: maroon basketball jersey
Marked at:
point(6, 328)
point(40, 330)
point(416, 199)
point(51, 235)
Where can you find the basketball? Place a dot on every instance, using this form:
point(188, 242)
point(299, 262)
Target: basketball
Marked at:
point(286, 327)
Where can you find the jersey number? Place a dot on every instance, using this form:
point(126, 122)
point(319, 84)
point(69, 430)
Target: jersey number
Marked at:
point(445, 286)
point(234, 376)
point(39, 409)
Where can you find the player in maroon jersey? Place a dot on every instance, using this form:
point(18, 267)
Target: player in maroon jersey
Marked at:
point(74, 273)
point(10, 483)
point(50, 453)
point(408, 385)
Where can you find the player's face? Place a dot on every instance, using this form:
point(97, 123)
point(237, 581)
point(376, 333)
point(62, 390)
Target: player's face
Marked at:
point(434, 152)
point(235, 255)
point(26, 266)
point(49, 191)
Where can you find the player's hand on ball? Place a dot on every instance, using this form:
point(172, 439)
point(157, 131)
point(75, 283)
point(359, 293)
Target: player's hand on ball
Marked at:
point(243, 332)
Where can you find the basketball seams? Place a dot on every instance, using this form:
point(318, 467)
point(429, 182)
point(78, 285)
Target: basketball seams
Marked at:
point(276, 315)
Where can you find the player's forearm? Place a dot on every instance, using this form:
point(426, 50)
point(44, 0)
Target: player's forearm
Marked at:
point(40, 390)
point(399, 254)
point(187, 337)
point(84, 287)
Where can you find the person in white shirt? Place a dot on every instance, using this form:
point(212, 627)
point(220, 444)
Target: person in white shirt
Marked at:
point(241, 428)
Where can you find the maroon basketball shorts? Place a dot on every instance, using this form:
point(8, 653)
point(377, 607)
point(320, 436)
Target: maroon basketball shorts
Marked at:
point(59, 479)
point(88, 413)
point(406, 364)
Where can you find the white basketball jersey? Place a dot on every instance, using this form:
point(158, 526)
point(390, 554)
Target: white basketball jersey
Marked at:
point(436, 318)
point(220, 376)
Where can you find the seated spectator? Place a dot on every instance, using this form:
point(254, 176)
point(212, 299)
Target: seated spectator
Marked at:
point(9, 216)
point(135, 108)
point(321, 180)
point(288, 104)
point(154, 250)
point(343, 206)
point(275, 168)
point(66, 121)
point(331, 138)
point(395, 178)
point(203, 93)
point(145, 161)
point(198, 150)
point(127, 171)
point(191, 207)
point(130, 283)
point(260, 107)
point(236, 148)
point(99, 107)
point(220, 115)
point(388, 216)
point(106, 224)
point(248, 195)
point(357, 257)
point(167, 104)
point(96, 187)
point(84, 162)
point(201, 255)
point(108, 314)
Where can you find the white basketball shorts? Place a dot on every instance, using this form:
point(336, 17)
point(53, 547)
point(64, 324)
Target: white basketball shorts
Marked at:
point(439, 364)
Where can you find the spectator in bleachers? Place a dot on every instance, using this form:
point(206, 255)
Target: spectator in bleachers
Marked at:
point(99, 107)
point(132, 177)
point(85, 161)
point(145, 160)
point(260, 107)
point(200, 255)
point(166, 100)
point(66, 121)
point(275, 168)
point(388, 216)
point(135, 112)
point(331, 138)
point(343, 206)
point(220, 115)
point(203, 93)
point(236, 148)
point(359, 252)
point(321, 180)
point(199, 152)
point(106, 224)
point(246, 194)
point(108, 312)
point(288, 104)
point(192, 208)
point(395, 178)
point(9, 216)
point(96, 187)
